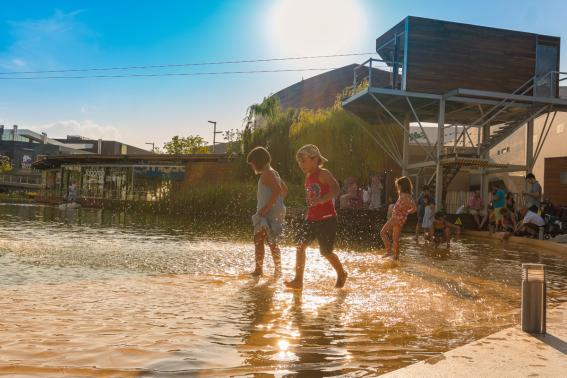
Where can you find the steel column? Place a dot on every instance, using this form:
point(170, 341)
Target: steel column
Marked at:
point(529, 146)
point(440, 144)
point(405, 146)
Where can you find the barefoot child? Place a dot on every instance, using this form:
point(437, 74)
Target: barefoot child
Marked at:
point(507, 224)
point(270, 209)
point(441, 229)
point(321, 218)
point(428, 211)
point(403, 207)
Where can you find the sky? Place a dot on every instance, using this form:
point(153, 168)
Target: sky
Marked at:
point(66, 35)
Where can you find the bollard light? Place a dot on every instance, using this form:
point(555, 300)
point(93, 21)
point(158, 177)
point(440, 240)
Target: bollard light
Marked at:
point(533, 298)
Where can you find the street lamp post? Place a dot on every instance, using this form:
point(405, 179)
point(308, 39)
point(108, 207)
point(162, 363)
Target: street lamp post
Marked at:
point(153, 145)
point(215, 132)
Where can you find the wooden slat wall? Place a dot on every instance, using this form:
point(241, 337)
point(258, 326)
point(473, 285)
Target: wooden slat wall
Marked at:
point(554, 190)
point(389, 35)
point(443, 56)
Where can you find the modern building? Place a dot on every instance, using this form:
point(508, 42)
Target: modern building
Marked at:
point(23, 147)
point(127, 177)
point(485, 83)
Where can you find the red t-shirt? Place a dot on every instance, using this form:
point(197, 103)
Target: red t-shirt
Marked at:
point(314, 188)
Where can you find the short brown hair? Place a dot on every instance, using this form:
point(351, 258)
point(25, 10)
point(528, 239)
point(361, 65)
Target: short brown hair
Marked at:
point(404, 185)
point(260, 157)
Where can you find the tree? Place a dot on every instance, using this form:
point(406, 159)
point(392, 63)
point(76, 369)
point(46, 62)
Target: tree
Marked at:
point(234, 141)
point(193, 144)
point(5, 164)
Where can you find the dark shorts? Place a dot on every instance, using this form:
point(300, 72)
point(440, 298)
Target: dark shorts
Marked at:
point(439, 232)
point(324, 231)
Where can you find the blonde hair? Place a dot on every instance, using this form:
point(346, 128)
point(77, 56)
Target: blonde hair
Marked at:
point(311, 151)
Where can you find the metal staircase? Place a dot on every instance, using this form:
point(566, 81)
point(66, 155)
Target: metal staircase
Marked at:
point(449, 173)
point(508, 128)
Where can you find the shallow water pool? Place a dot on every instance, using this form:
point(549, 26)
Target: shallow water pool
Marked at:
point(95, 293)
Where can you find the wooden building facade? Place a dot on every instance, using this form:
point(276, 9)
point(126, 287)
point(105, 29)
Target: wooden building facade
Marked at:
point(435, 56)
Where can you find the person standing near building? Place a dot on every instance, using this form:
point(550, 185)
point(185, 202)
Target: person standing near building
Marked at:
point(421, 208)
point(498, 201)
point(476, 208)
point(375, 192)
point(72, 192)
point(533, 193)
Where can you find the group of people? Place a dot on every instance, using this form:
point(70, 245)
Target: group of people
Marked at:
point(320, 223)
point(353, 196)
point(503, 216)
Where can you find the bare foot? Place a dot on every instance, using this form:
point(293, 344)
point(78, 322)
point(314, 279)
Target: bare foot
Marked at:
point(387, 254)
point(341, 279)
point(294, 284)
point(256, 273)
point(278, 272)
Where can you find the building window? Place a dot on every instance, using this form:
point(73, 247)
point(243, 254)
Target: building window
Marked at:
point(560, 128)
point(563, 177)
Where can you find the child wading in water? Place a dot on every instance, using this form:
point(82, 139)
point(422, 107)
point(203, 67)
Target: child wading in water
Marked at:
point(428, 211)
point(270, 210)
point(441, 229)
point(321, 218)
point(402, 208)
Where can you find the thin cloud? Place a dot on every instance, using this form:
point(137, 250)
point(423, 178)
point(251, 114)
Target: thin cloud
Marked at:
point(46, 43)
point(85, 128)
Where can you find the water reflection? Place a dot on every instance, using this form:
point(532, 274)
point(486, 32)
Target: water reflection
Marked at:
point(140, 294)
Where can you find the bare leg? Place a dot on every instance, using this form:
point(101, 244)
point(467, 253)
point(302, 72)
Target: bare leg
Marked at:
point(396, 231)
point(277, 257)
point(297, 282)
point(477, 220)
point(336, 264)
point(385, 239)
point(259, 252)
point(447, 236)
point(417, 230)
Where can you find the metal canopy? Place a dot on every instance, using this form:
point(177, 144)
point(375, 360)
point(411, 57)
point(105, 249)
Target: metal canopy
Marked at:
point(460, 108)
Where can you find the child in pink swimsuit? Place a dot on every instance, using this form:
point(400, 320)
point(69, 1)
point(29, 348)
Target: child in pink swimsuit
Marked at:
point(403, 207)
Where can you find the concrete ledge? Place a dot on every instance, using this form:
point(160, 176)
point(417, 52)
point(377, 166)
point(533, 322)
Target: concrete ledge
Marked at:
point(547, 245)
point(508, 353)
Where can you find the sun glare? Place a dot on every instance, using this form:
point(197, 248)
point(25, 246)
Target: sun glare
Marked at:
point(315, 26)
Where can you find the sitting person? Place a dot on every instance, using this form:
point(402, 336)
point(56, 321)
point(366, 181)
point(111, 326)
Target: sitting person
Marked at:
point(531, 222)
point(476, 208)
point(507, 224)
point(440, 229)
point(352, 199)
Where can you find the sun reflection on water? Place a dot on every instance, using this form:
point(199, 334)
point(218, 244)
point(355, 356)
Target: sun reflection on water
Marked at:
point(159, 301)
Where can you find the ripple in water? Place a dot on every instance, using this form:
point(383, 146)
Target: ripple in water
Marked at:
point(103, 294)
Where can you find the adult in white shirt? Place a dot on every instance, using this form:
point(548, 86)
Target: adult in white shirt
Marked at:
point(530, 223)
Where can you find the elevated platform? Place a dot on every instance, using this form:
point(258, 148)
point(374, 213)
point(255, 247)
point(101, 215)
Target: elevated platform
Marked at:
point(462, 106)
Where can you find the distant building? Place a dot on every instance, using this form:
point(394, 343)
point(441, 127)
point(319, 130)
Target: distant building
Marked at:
point(24, 147)
point(127, 177)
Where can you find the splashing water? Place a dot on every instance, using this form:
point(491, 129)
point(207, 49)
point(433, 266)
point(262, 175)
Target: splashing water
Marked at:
point(96, 293)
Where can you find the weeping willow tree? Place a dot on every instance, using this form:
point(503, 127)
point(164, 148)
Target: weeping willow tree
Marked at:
point(267, 125)
point(345, 139)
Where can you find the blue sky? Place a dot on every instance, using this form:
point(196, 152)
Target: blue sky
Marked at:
point(55, 35)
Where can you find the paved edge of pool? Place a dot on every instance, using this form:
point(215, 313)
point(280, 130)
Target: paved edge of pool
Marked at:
point(508, 353)
point(548, 245)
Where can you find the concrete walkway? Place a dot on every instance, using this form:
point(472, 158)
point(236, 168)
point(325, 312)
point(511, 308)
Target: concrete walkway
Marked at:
point(508, 353)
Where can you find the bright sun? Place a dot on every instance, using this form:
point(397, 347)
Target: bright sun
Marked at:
point(307, 27)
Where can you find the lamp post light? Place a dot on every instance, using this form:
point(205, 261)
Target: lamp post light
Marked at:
point(215, 132)
point(153, 145)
